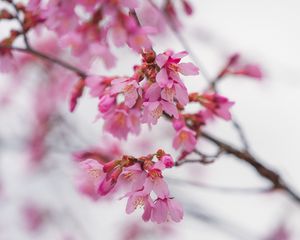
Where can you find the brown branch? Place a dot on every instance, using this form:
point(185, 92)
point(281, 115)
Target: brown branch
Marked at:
point(202, 160)
point(221, 188)
point(46, 57)
point(264, 171)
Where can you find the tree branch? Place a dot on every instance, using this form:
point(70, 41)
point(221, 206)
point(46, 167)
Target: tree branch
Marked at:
point(265, 172)
point(46, 57)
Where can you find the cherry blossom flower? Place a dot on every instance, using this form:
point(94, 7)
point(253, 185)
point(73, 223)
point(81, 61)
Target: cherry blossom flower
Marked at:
point(186, 138)
point(154, 110)
point(121, 121)
point(130, 89)
point(90, 176)
point(137, 199)
point(105, 103)
point(165, 209)
point(237, 66)
point(167, 161)
point(171, 67)
point(217, 105)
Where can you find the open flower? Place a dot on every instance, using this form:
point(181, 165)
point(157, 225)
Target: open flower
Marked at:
point(89, 178)
point(217, 105)
point(186, 138)
point(166, 209)
point(171, 67)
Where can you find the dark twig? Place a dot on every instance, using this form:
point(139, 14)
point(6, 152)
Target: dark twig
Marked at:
point(265, 172)
point(49, 58)
point(220, 188)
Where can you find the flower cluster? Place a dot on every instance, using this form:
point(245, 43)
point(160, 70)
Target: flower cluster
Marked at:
point(141, 178)
point(98, 22)
point(154, 89)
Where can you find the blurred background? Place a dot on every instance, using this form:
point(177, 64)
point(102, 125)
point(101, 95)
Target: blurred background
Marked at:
point(43, 196)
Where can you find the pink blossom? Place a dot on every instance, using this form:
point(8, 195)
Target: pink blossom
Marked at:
point(151, 17)
point(134, 176)
point(238, 66)
point(130, 89)
point(251, 70)
point(155, 182)
point(90, 176)
point(154, 110)
point(110, 181)
point(126, 30)
point(96, 84)
point(185, 138)
point(171, 67)
point(153, 92)
point(116, 123)
point(166, 209)
point(106, 102)
point(60, 16)
point(167, 161)
point(187, 7)
point(138, 199)
point(178, 123)
point(121, 121)
point(216, 104)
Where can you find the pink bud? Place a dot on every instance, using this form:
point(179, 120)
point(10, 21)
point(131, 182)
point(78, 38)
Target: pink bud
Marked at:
point(187, 7)
point(167, 161)
point(253, 71)
point(76, 93)
point(108, 167)
point(105, 103)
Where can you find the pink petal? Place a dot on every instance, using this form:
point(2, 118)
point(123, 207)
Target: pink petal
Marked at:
point(170, 109)
point(188, 69)
point(153, 92)
point(180, 55)
point(175, 210)
point(162, 78)
point(160, 211)
point(181, 94)
point(161, 59)
point(160, 188)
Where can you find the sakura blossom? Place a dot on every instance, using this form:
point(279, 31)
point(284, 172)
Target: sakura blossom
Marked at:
point(91, 88)
point(141, 177)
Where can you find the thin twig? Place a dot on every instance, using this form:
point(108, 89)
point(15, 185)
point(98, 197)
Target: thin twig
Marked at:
point(202, 160)
point(220, 188)
point(263, 170)
point(241, 134)
point(44, 56)
point(26, 40)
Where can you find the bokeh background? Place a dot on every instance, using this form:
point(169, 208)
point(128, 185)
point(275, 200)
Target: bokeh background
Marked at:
point(263, 31)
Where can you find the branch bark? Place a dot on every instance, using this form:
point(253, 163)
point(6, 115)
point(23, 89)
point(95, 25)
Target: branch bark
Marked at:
point(262, 170)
